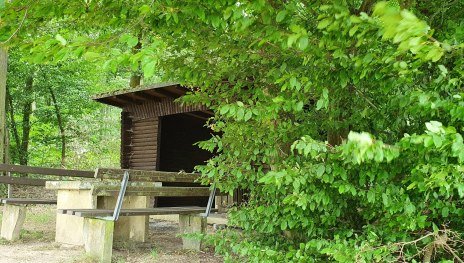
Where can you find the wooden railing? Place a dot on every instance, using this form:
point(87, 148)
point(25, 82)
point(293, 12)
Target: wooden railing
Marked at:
point(23, 169)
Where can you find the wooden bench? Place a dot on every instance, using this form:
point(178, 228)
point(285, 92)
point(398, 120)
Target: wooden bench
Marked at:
point(99, 224)
point(14, 210)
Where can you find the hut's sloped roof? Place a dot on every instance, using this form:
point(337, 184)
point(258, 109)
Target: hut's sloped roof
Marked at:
point(141, 94)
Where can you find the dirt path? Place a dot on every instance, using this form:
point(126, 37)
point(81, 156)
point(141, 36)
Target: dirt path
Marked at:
point(37, 245)
point(38, 252)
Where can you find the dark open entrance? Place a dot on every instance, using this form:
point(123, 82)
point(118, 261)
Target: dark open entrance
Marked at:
point(176, 152)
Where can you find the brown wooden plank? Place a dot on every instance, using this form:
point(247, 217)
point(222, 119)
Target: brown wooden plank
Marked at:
point(22, 181)
point(138, 131)
point(45, 171)
point(137, 97)
point(141, 162)
point(144, 148)
point(144, 157)
point(144, 152)
point(146, 94)
point(181, 209)
point(144, 144)
point(112, 101)
point(146, 123)
point(145, 126)
point(136, 212)
point(155, 191)
point(143, 139)
point(127, 99)
point(147, 168)
point(28, 201)
point(146, 176)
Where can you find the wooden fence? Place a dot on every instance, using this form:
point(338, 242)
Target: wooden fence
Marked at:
point(23, 169)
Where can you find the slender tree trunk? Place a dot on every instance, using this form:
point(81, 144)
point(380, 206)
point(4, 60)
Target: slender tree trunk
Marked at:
point(14, 127)
point(135, 80)
point(61, 126)
point(3, 73)
point(27, 112)
point(136, 77)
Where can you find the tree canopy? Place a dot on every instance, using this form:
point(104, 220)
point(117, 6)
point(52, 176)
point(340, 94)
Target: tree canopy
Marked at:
point(343, 120)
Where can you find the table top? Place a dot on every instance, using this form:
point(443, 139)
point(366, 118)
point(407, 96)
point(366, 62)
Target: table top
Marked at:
point(93, 183)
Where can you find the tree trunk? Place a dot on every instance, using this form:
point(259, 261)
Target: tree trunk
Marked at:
point(135, 80)
point(27, 112)
point(61, 126)
point(3, 73)
point(136, 77)
point(14, 127)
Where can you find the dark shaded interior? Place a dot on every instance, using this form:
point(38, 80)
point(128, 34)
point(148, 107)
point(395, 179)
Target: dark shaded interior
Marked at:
point(177, 152)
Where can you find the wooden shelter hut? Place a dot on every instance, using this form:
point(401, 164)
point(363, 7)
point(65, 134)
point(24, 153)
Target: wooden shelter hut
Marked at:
point(158, 133)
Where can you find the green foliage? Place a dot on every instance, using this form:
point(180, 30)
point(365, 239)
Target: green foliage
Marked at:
point(85, 123)
point(342, 119)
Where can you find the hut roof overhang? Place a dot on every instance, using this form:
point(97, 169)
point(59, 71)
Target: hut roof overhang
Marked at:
point(142, 94)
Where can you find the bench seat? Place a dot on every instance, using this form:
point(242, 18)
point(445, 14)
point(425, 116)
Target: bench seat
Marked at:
point(27, 201)
point(134, 212)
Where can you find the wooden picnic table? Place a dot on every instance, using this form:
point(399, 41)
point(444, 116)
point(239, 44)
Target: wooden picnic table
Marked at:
point(84, 195)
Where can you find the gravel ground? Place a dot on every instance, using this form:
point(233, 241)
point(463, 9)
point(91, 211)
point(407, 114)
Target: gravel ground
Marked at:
point(37, 244)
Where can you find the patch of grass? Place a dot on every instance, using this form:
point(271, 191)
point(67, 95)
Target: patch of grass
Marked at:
point(5, 242)
point(41, 218)
point(154, 253)
point(32, 235)
point(85, 258)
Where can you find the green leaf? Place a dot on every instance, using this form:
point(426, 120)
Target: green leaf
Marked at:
point(281, 15)
point(320, 170)
point(61, 39)
point(445, 211)
point(324, 23)
point(443, 70)
point(303, 42)
point(144, 9)
point(149, 69)
point(248, 115)
point(132, 41)
point(371, 196)
point(353, 30)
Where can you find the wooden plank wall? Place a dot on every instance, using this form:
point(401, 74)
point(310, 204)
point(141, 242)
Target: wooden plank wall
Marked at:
point(139, 132)
point(144, 144)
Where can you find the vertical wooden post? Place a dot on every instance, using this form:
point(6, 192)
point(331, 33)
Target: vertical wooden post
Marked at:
point(10, 190)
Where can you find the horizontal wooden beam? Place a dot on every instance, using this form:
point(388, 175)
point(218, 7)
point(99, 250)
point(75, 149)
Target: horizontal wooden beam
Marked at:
point(133, 212)
point(45, 171)
point(196, 116)
point(146, 176)
point(161, 191)
point(164, 93)
point(111, 102)
point(21, 181)
point(149, 95)
point(27, 201)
